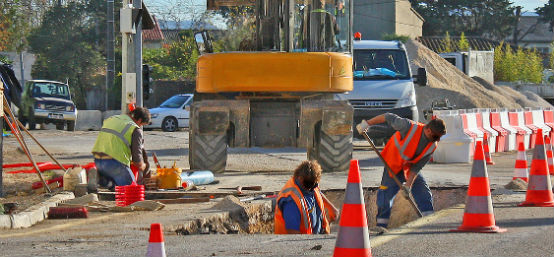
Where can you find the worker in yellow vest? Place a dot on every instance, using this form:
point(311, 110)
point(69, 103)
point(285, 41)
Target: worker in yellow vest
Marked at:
point(120, 143)
point(301, 207)
point(406, 152)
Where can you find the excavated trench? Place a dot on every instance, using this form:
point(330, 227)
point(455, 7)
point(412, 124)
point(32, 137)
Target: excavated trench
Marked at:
point(234, 216)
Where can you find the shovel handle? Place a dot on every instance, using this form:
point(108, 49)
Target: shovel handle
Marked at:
point(389, 170)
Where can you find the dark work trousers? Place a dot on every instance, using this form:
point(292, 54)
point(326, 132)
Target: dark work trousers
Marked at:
point(388, 190)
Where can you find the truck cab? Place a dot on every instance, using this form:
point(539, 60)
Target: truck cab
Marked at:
point(45, 101)
point(383, 83)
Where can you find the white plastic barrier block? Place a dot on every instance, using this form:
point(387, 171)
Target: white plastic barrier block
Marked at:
point(89, 120)
point(471, 119)
point(455, 146)
point(505, 122)
point(521, 124)
point(484, 115)
point(538, 120)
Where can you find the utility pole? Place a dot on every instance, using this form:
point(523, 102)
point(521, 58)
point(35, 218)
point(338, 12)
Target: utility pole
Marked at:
point(128, 29)
point(110, 56)
point(131, 25)
point(137, 4)
point(516, 30)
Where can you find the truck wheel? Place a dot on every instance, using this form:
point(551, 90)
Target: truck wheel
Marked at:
point(60, 126)
point(71, 125)
point(208, 152)
point(333, 152)
point(30, 119)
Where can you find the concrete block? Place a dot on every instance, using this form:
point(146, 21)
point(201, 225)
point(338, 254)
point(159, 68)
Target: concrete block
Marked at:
point(36, 216)
point(89, 120)
point(107, 114)
point(21, 220)
point(5, 222)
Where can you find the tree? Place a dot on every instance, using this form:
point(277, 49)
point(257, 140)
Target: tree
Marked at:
point(448, 44)
point(551, 57)
point(176, 61)
point(13, 26)
point(64, 49)
point(463, 44)
point(546, 13)
point(491, 18)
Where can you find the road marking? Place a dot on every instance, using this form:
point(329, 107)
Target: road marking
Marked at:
point(409, 227)
point(63, 226)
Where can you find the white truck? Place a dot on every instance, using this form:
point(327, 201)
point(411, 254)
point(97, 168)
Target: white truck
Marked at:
point(383, 83)
point(473, 63)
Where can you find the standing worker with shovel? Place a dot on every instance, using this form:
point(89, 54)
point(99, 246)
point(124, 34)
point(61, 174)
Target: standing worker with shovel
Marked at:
point(408, 150)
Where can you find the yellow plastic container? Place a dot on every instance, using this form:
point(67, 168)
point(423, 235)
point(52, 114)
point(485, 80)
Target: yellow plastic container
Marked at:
point(169, 178)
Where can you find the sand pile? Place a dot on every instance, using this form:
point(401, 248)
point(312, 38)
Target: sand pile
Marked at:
point(446, 81)
point(516, 184)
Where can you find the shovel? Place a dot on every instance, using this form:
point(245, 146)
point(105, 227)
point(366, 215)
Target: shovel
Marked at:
point(410, 199)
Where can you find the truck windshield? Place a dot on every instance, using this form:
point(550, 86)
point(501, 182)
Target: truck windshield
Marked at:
point(46, 89)
point(175, 101)
point(379, 64)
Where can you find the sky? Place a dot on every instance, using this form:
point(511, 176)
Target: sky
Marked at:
point(185, 9)
point(529, 5)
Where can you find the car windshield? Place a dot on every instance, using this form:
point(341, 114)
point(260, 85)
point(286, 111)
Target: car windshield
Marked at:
point(45, 89)
point(380, 64)
point(175, 101)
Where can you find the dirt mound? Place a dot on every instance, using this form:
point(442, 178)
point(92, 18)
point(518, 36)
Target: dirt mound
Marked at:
point(446, 81)
point(516, 184)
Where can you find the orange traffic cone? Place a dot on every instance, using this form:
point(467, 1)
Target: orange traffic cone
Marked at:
point(539, 190)
point(353, 235)
point(156, 241)
point(521, 170)
point(549, 159)
point(478, 214)
point(486, 147)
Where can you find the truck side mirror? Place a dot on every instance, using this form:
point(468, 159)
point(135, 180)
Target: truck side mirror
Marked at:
point(421, 77)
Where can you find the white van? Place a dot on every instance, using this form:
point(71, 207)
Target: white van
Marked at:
point(383, 82)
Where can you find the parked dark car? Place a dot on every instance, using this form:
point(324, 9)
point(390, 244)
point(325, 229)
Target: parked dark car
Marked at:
point(45, 101)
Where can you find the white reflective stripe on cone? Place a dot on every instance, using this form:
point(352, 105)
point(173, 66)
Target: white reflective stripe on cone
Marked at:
point(155, 250)
point(520, 173)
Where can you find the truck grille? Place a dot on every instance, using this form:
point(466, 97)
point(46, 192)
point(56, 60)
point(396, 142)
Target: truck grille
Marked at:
point(55, 107)
point(373, 104)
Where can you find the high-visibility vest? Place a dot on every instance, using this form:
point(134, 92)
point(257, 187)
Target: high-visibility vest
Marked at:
point(115, 137)
point(399, 152)
point(292, 190)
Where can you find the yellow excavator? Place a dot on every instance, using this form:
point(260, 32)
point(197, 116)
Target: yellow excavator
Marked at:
point(283, 94)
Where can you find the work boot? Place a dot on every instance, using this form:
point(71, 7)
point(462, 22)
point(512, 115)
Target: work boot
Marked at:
point(362, 127)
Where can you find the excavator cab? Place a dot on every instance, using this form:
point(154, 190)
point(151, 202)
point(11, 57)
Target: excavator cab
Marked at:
point(281, 92)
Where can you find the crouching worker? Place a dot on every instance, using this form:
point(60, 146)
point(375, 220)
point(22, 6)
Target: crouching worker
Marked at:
point(301, 206)
point(119, 145)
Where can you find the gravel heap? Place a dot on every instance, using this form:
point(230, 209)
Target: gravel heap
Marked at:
point(446, 81)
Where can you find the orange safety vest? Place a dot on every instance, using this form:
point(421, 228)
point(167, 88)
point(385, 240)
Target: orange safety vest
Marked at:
point(292, 190)
point(399, 152)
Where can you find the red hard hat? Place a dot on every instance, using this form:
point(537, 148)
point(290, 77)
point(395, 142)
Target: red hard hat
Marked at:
point(358, 36)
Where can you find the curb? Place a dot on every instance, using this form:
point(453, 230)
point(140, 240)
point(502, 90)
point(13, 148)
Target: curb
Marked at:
point(33, 214)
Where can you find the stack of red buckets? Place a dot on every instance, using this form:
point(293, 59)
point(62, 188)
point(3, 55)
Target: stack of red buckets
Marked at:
point(127, 195)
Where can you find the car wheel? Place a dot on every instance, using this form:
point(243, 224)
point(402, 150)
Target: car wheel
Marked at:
point(169, 124)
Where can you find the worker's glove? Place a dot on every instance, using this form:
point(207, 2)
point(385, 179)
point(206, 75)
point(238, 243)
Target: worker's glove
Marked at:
point(362, 127)
point(406, 191)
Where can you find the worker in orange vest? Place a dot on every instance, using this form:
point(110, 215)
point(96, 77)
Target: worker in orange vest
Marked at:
point(406, 152)
point(301, 207)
